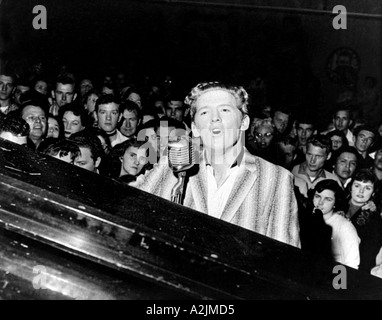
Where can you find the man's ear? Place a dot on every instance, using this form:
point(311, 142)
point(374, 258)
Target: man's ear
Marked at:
point(120, 117)
point(75, 96)
point(195, 130)
point(245, 122)
point(52, 94)
point(98, 162)
point(328, 156)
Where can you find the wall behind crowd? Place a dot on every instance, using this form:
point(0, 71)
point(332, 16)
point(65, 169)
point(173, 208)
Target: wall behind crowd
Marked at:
point(289, 49)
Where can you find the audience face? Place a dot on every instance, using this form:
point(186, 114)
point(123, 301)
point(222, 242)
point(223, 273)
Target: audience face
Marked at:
point(130, 123)
point(135, 97)
point(218, 121)
point(86, 161)
point(289, 152)
point(378, 160)
point(324, 201)
point(20, 89)
point(133, 161)
point(64, 94)
point(72, 123)
point(41, 87)
point(175, 110)
point(336, 142)
point(6, 87)
point(361, 192)
point(364, 140)
point(280, 120)
point(91, 102)
point(342, 120)
point(304, 132)
point(85, 86)
point(159, 105)
point(315, 157)
point(53, 128)
point(263, 136)
point(345, 165)
point(22, 140)
point(35, 117)
point(108, 116)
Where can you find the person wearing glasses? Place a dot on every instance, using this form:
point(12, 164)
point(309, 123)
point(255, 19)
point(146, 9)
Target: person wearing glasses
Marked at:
point(262, 144)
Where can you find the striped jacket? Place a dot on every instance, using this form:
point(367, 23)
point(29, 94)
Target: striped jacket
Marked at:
point(262, 198)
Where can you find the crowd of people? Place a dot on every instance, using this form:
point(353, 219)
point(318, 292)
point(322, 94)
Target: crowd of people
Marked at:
point(263, 167)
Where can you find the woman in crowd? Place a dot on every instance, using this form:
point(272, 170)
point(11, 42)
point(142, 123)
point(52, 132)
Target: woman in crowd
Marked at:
point(368, 223)
point(323, 211)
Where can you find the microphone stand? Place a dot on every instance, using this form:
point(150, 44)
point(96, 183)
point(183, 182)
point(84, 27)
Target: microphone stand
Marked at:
point(177, 191)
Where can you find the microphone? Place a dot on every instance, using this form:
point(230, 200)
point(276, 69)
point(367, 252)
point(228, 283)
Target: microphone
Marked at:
point(181, 157)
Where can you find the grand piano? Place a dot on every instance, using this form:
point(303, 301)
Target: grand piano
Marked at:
point(67, 233)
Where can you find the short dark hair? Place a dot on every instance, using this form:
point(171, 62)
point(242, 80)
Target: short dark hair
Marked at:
point(106, 99)
point(306, 119)
point(329, 184)
point(364, 175)
point(15, 125)
point(365, 127)
point(343, 106)
point(340, 134)
point(132, 107)
point(89, 142)
point(78, 111)
point(34, 98)
point(66, 78)
point(322, 141)
point(62, 148)
point(348, 149)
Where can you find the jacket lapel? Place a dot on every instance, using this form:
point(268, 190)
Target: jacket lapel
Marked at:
point(243, 184)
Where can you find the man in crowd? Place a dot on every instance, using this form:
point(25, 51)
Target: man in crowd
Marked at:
point(130, 120)
point(311, 171)
point(363, 140)
point(342, 120)
point(33, 111)
point(90, 152)
point(7, 86)
point(346, 164)
point(63, 93)
point(108, 115)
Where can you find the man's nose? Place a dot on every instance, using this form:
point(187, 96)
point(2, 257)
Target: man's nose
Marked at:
point(362, 190)
point(63, 97)
point(313, 160)
point(3, 88)
point(215, 116)
point(108, 116)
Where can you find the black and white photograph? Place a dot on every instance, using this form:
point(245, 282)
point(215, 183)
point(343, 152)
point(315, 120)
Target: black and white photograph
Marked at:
point(190, 156)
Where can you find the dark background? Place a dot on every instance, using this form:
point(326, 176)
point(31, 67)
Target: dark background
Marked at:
point(287, 43)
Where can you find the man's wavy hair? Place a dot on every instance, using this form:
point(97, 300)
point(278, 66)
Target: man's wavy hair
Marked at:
point(237, 91)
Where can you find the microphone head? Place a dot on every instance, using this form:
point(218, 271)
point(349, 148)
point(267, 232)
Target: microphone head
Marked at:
point(317, 211)
point(180, 154)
